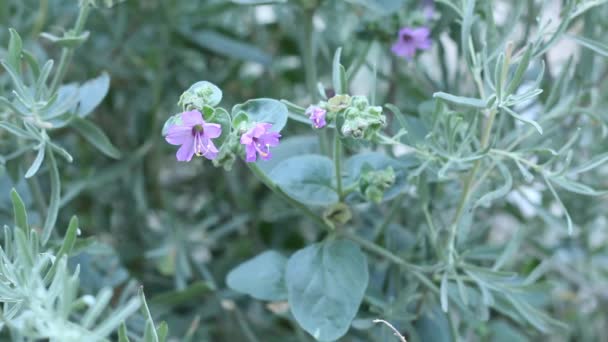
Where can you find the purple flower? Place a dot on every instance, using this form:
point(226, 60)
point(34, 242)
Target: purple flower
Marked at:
point(317, 116)
point(258, 140)
point(194, 135)
point(412, 39)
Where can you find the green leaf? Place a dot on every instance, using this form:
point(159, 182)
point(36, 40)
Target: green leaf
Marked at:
point(461, 100)
point(354, 166)
point(220, 116)
point(576, 187)
point(468, 16)
point(307, 178)
point(325, 286)
point(19, 211)
point(591, 44)
point(162, 331)
point(122, 333)
point(15, 46)
point(519, 72)
point(226, 46)
point(434, 326)
point(289, 147)
point(68, 40)
point(95, 136)
point(53, 210)
point(264, 110)
point(37, 162)
point(590, 164)
point(487, 199)
point(523, 119)
point(261, 277)
point(339, 88)
point(91, 93)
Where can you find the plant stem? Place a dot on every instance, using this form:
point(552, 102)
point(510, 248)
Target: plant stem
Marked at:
point(67, 52)
point(297, 204)
point(466, 192)
point(338, 164)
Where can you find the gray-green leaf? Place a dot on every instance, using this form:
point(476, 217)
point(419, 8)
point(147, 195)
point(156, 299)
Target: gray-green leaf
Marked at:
point(307, 178)
point(261, 277)
point(325, 286)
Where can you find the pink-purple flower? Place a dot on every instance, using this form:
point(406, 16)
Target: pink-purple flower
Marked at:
point(258, 141)
point(410, 40)
point(317, 116)
point(194, 135)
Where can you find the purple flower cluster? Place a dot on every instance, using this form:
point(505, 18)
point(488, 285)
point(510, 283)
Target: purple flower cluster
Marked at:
point(194, 136)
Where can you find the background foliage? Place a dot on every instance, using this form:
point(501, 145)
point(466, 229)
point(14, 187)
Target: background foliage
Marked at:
point(497, 236)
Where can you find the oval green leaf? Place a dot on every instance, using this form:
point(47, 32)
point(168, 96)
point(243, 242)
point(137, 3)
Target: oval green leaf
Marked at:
point(325, 286)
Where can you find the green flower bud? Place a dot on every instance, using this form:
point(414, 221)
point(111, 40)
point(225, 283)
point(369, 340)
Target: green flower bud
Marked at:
point(199, 95)
point(360, 102)
point(373, 183)
point(338, 103)
point(337, 215)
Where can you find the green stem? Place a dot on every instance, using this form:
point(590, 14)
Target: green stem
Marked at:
point(338, 164)
point(66, 53)
point(275, 188)
point(464, 198)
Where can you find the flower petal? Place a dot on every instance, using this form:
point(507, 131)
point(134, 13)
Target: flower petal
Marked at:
point(192, 118)
point(246, 139)
point(178, 135)
point(250, 155)
point(211, 130)
point(185, 152)
point(270, 138)
point(404, 50)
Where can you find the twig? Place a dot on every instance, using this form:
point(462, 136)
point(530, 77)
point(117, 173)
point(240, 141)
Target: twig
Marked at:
point(395, 331)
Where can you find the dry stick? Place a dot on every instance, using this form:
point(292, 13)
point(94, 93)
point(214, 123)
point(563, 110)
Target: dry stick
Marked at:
point(395, 331)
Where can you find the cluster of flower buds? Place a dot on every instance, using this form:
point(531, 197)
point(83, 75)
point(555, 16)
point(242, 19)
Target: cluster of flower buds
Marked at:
point(373, 183)
point(362, 121)
point(358, 119)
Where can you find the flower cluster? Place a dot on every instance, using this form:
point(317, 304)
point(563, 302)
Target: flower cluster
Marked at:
point(374, 183)
point(195, 128)
point(360, 120)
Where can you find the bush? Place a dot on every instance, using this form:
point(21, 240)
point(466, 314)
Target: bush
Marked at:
point(297, 170)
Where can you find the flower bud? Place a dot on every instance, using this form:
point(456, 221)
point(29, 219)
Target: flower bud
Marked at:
point(199, 95)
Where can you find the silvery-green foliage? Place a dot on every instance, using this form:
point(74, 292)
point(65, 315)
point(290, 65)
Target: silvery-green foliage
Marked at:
point(462, 198)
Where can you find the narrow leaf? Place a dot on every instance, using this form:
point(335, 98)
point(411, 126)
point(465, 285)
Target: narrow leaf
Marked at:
point(51, 215)
point(95, 136)
point(37, 162)
point(19, 212)
point(523, 119)
point(461, 100)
